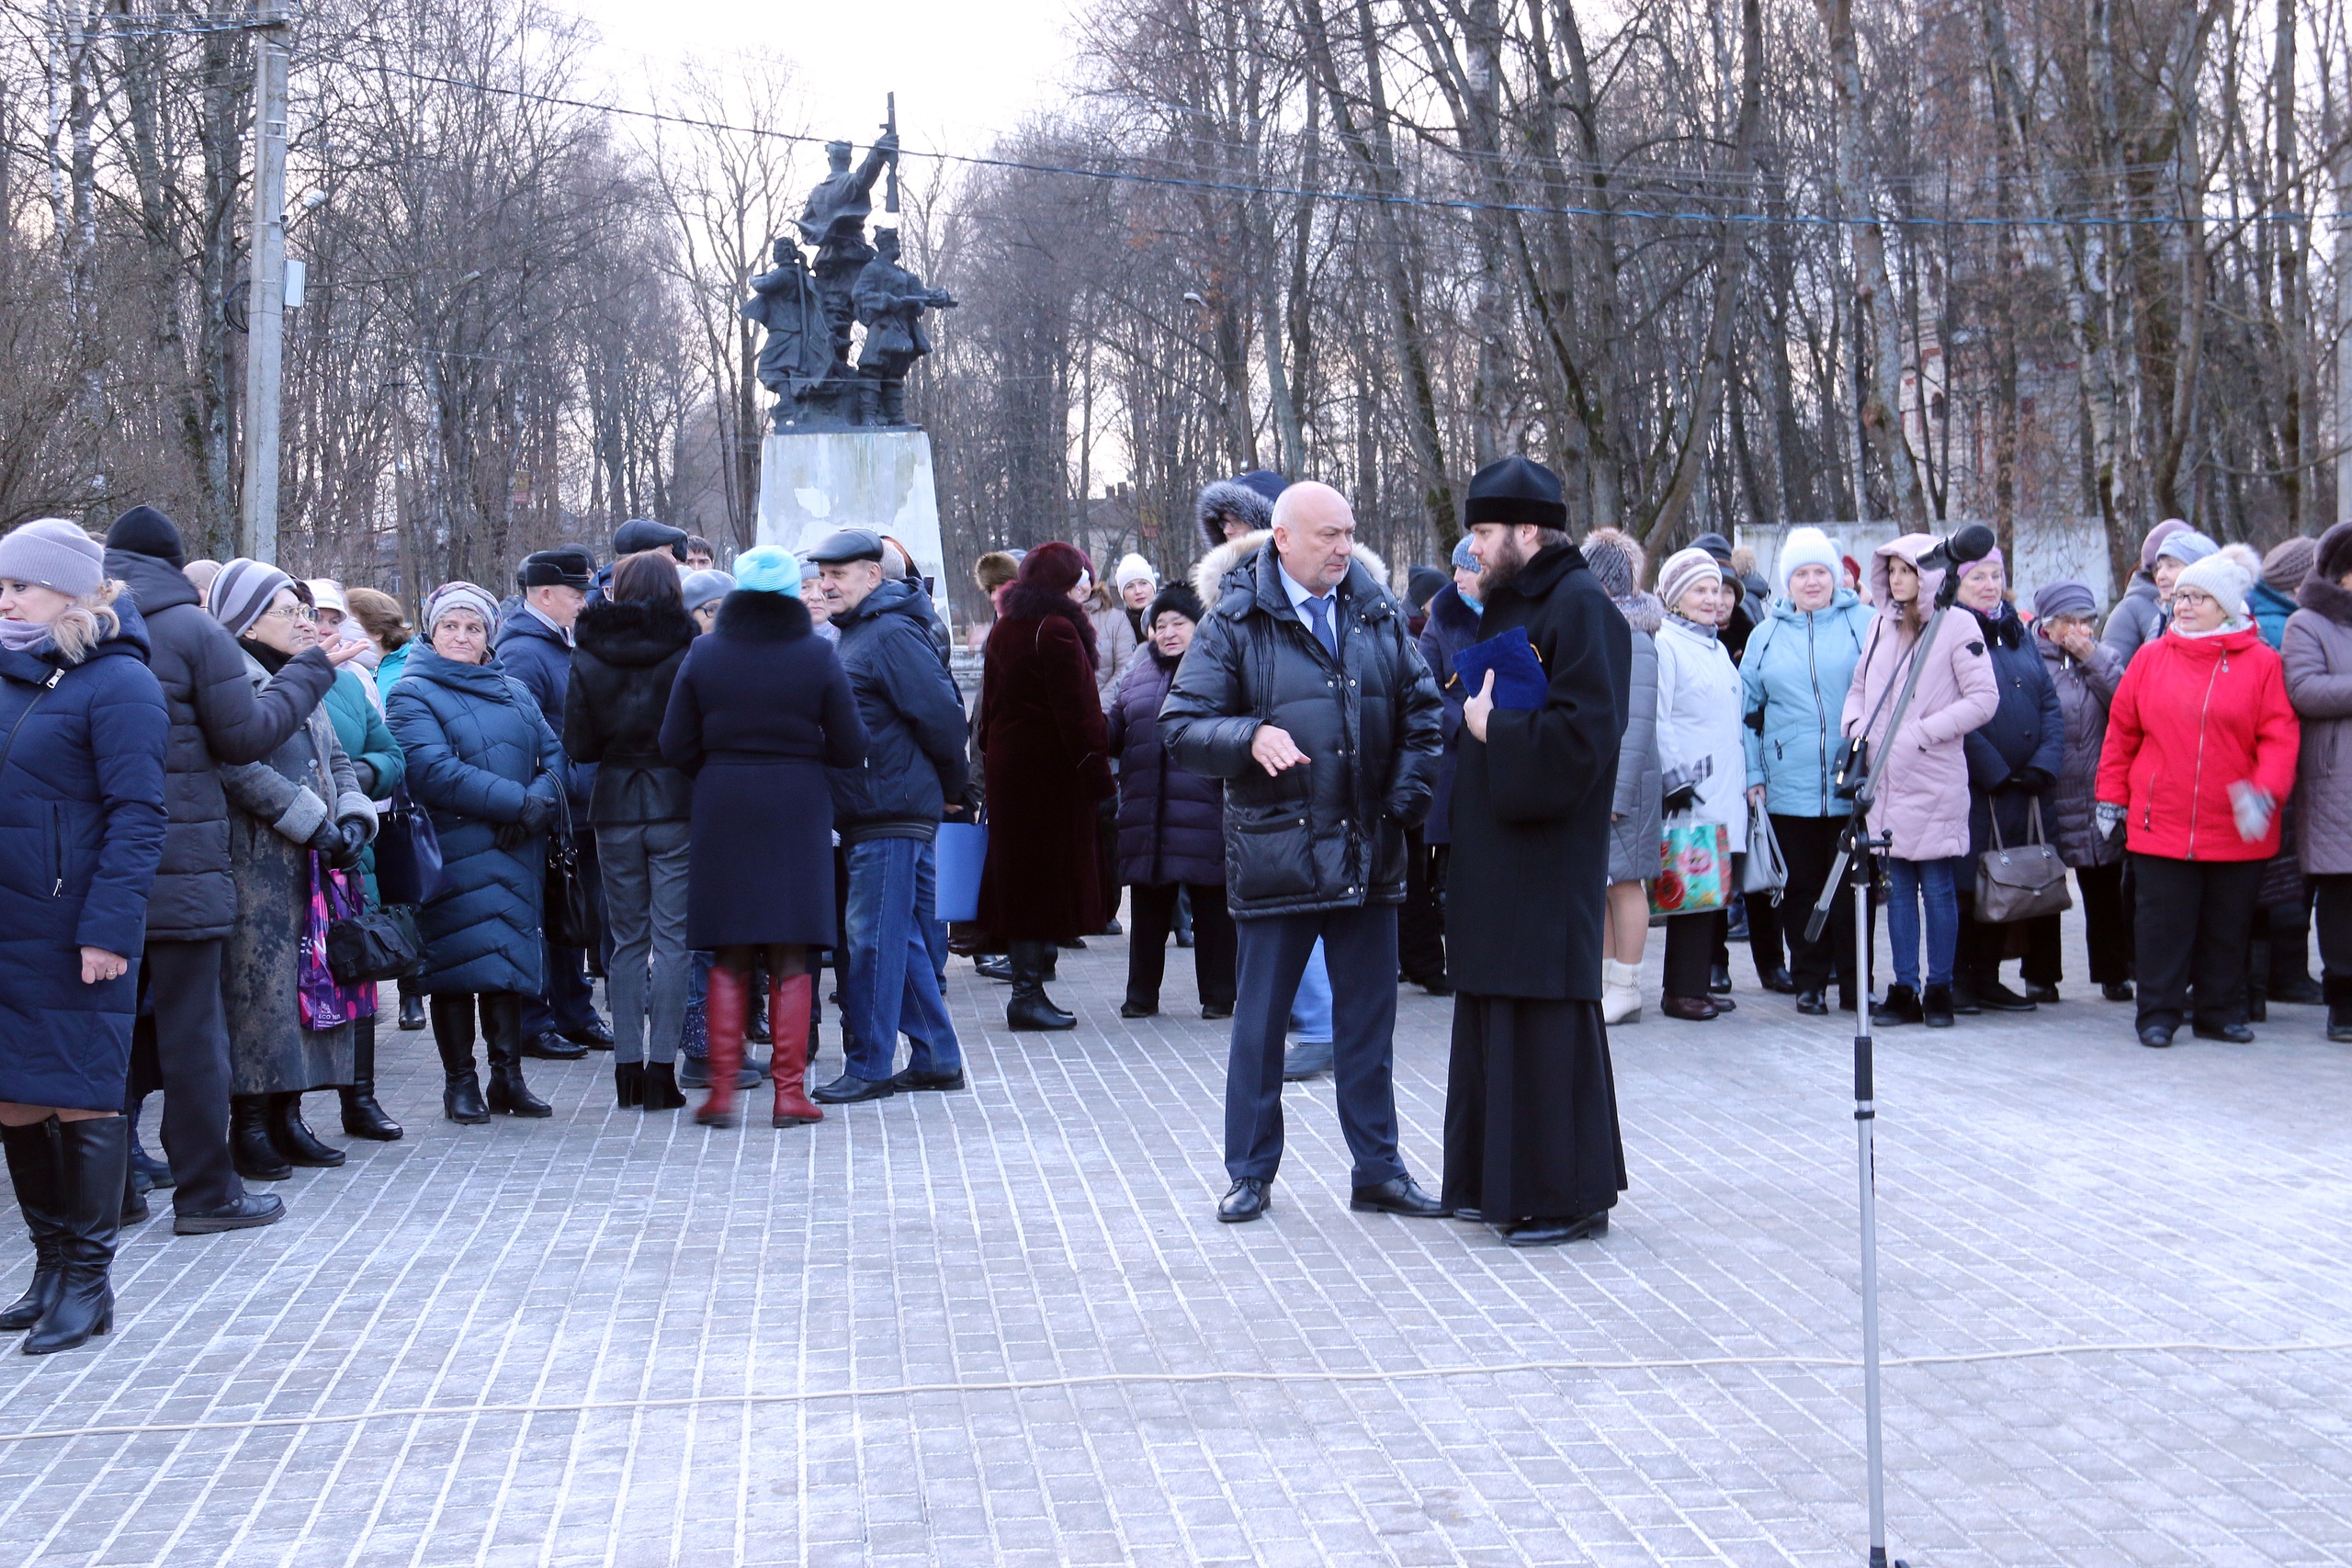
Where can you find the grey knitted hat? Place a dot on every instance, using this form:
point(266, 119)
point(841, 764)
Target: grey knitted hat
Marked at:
point(459, 596)
point(54, 553)
point(243, 592)
point(702, 587)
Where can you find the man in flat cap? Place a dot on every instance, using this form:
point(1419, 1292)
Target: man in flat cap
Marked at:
point(1531, 1108)
point(535, 644)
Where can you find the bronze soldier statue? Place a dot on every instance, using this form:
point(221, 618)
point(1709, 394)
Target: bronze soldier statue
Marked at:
point(797, 353)
point(833, 224)
point(890, 302)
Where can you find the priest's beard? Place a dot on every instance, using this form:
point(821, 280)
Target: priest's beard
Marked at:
point(1505, 565)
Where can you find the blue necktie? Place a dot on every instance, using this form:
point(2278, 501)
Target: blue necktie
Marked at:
point(1321, 610)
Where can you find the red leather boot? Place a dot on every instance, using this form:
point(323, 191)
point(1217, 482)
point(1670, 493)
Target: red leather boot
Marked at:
point(788, 1024)
point(729, 1004)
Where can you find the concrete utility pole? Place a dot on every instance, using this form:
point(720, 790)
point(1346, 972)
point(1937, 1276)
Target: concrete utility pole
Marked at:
point(2344, 337)
point(265, 297)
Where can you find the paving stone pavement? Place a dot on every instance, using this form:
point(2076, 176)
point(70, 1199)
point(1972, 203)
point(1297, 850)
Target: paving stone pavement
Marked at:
point(645, 1335)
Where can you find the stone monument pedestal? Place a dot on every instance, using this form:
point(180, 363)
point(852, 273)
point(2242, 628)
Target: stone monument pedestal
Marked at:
point(812, 482)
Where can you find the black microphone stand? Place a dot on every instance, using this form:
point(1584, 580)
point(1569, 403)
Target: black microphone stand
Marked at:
point(1857, 853)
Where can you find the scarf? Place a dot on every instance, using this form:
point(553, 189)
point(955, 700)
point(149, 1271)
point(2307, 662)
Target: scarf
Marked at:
point(17, 637)
point(265, 656)
point(1693, 628)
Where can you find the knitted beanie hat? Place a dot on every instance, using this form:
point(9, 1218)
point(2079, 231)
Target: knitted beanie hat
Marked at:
point(53, 553)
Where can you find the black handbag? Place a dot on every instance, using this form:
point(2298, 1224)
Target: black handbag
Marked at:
point(570, 914)
point(408, 851)
point(364, 946)
point(2020, 881)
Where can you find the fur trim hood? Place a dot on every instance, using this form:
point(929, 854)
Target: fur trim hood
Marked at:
point(1222, 561)
point(1221, 497)
point(1642, 610)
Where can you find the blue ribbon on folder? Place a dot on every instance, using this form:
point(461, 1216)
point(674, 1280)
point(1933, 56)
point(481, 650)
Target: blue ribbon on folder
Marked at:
point(1520, 680)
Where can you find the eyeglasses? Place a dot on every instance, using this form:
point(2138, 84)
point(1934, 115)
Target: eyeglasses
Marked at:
point(290, 612)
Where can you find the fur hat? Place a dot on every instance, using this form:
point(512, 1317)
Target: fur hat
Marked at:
point(1616, 560)
point(1176, 596)
point(1245, 502)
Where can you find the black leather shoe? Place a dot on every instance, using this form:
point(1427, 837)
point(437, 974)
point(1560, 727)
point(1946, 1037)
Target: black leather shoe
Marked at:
point(1471, 1217)
point(553, 1047)
point(1075, 944)
point(1813, 1004)
point(1936, 1007)
point(412, 1013)
point(628, 1085)
point(910, 1080)
point(2038, 993)
point(1553, 1232)
point(1138, 1009)
point(363, 1118)
point(848, 1090)
point(595, 1035)
point(155, 1173)
point(1307, 1059)
point(2156, 1035)
point(1995, 997)
point(2302, 990)
point(1777, 981)
point(1719, 980)
point(294, 1138)
point(510, 1096)
point(2339, 1031)
point(1249, 1199)
point(2117, 991)
point(1964, 1000)
point(1214, 1010)
point(2229, 1033)
point(1397, 1195)
point(1113, 928)
point(1901, 1006)
point(997, 968)
point(253, 1210)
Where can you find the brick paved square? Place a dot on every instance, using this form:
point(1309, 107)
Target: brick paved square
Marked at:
point(561, 1291)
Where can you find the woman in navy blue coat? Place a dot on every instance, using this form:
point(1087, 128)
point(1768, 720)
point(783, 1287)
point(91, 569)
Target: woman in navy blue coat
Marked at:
point(82, 737)
point(2013, 760)
point(760, 709)
point(482, 760)
point(1171, 824)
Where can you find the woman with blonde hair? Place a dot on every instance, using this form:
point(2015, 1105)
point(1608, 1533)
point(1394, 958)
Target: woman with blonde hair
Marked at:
point(83, 730)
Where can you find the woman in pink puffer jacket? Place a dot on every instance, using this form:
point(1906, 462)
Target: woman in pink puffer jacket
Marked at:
point(1922, 797)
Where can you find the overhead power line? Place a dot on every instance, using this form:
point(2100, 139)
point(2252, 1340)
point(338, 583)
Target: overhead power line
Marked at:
point(1369, 198)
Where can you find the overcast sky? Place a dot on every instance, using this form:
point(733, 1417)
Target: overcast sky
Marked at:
point(961, 68)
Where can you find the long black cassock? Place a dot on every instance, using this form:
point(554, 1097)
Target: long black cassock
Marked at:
point(1530, 1106)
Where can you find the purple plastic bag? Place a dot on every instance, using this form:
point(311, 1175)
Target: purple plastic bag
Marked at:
point(326, 1002)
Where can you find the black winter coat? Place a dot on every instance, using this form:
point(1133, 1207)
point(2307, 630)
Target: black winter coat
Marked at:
point(1329, 832)
point(80, 833)
point(914, 720)
point(217, 718)
point(1171, 822)
point(535, 653)
point(760, 709)
point(1452, 626)
point(623, 667)
point(1528, 879)
point(2016, 756)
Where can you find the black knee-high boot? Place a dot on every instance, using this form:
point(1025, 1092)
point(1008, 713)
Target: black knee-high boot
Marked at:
point(502, 1026)
point(452, 1035)
point(91, 1157)
point(1030, 1007)
point(362, 1117)
point(33, 1172)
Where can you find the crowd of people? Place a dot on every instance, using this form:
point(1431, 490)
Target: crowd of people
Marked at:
point(703, 784)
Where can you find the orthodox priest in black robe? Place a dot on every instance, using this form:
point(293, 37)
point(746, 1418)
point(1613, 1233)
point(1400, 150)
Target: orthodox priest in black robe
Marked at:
point(1530, 1106)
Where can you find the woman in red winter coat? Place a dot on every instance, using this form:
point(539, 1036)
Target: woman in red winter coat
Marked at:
point(1041, 739)
point(2200, 752)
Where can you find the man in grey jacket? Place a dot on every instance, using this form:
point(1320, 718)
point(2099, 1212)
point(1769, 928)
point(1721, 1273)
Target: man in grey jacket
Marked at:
point(1303, 690)
point(218, 719)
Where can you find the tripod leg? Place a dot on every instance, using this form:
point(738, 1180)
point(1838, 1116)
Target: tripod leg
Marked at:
point(1865, 1117)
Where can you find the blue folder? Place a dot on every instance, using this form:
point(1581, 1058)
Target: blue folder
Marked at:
point(1520, 680)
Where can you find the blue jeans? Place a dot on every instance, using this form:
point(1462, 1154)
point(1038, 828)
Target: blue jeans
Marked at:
point(1916, 880)
point(893, 983)
point(1310, 1010)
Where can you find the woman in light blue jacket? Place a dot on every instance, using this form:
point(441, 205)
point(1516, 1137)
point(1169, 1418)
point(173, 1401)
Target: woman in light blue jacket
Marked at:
point(1793, 689)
